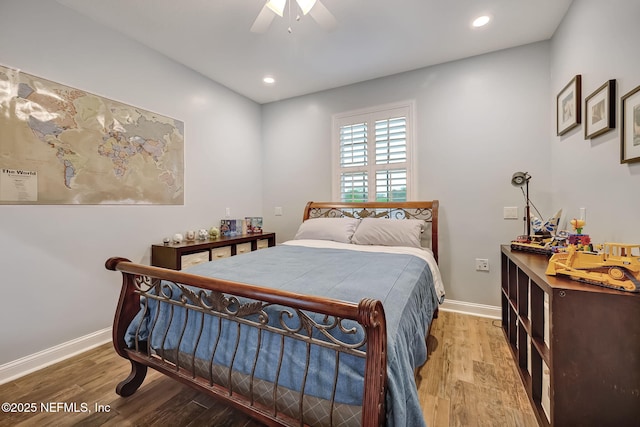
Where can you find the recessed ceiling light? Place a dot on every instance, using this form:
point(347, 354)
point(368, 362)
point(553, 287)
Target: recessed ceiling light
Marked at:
point(481, 21)
point(268, 80)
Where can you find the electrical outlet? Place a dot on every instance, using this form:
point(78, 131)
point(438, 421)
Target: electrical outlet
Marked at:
point(482, 264)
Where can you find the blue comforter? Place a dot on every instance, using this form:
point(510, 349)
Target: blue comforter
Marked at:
point(402, 282)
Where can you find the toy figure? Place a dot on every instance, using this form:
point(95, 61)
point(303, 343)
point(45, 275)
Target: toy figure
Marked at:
point(550, 226)
point(214, 233)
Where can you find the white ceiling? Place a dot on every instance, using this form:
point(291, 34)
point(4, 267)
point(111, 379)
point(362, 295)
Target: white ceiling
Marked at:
point(373, 38)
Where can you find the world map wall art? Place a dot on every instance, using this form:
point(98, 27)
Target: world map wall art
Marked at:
point(61, 145)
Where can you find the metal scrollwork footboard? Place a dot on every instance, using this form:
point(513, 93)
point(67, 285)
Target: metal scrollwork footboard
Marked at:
point(215, 336)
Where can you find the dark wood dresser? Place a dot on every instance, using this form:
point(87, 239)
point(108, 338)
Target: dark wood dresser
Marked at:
point(177, 256)
point(577, 346)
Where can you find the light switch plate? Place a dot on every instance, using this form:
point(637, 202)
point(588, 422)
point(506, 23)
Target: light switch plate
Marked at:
point(511, 212)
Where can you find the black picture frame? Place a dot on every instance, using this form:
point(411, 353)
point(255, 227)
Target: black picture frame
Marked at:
point(630, 126)
point(600, 110)
point(569, 106)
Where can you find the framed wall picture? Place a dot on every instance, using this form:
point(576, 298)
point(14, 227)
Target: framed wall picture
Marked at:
point(630, 127)
point(600, 110)
point(568, 106)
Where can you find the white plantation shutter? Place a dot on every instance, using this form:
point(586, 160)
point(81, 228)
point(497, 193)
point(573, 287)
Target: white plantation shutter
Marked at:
point(353, 145)
point(391, 185)
point(353, 187)
point(391, 140)
point(372, 155)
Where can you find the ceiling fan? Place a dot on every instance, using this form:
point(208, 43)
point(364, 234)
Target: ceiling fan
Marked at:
point(315, 8)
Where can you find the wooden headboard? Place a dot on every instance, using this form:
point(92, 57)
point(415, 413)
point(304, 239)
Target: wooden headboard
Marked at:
point(424, 210)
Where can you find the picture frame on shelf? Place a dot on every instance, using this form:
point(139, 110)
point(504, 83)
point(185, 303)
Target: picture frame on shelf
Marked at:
point(568, 106)
point(600, 110)
point(630, 126)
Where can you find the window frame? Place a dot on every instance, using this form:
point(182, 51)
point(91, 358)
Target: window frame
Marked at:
point(370, 115)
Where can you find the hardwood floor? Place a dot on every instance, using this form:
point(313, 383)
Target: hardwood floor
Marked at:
point(469, 380)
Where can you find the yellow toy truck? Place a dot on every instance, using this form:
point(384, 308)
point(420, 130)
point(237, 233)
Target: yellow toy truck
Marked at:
point(616, 266)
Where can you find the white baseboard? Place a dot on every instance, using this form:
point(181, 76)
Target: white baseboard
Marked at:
point(474, 309)
point(33, 362)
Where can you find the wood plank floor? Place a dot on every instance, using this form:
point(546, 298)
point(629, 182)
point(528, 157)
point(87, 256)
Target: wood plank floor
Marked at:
point(469, 380)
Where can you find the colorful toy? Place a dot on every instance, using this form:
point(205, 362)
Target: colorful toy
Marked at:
point(578, 224)
point(214, 233)
point(549, 226)
point(543, 239)
point(616, 265)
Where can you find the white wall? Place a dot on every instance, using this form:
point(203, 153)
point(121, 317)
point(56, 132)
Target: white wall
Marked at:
point(54, 285)
point(598, 40)
point(479, 120)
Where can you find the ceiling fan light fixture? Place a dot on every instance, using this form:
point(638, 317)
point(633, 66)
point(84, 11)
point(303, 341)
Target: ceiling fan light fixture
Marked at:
point(306, 5)
point(272, 8)
point(277, 6)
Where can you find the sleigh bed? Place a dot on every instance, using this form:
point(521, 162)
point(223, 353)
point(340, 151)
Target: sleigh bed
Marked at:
point(324, 330)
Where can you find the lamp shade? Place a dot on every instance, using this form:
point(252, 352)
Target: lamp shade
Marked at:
point(520, 178)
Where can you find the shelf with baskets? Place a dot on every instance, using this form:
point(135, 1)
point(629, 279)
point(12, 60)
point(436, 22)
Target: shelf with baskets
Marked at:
point(177, 256)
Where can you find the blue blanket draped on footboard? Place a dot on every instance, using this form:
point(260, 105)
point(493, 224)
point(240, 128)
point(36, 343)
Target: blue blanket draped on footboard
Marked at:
point(403, 283)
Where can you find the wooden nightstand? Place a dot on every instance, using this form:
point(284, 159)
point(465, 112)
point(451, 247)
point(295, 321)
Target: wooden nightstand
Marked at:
point(177, 256)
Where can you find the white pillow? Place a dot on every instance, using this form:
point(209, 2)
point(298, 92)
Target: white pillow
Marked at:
point(388, 232)
point(336, 229)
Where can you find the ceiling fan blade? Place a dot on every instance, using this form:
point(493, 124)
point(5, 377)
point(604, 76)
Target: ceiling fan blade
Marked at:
point(262, 22)
point(323, 17)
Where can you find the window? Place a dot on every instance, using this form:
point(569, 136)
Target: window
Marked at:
point(372, 154)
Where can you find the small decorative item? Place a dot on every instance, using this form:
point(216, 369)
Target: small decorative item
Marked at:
point(582, 242)
point(586, 243)
point(550, 226)
point(254, 224)
point(177, 238)
point(231, 227)
point(630, 127)
point(600, 110)
point(190, 235)
point(166, 240)
point(203, 234)
point(578, 224)
point(214, 233)
point(568, 102)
